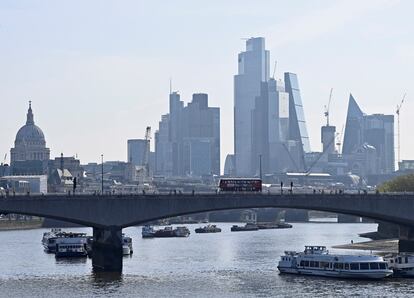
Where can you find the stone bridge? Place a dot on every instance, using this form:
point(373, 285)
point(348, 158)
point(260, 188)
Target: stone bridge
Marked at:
point(109, 214)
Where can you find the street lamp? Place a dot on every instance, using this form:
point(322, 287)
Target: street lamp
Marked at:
point(102, 186)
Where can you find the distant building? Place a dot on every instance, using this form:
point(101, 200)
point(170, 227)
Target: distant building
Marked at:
point(253, 70)
point(376, 130)
point(136, 151)
point(29, 156)
point(229, 166)
point(34, 184)
point(269, 121)
point(187, 142)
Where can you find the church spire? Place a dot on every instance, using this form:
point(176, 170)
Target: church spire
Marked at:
point(30, 120)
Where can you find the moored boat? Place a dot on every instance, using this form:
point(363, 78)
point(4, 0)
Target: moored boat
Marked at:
point(316, 260)
point(246, 227)
point(147, 231)
point(51, 241)
point(127, 245)
point(208, 229)
point(169, 232)
point(271, 225)
point(70, 250)
point(181, 232)
point(402, 264)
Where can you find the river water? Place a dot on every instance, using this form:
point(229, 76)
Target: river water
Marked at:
point(226, 264)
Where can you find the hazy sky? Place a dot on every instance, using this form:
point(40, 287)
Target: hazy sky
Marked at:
point(98, 71)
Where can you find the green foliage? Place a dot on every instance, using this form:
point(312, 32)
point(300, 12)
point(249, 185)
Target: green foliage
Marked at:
point(401, 183)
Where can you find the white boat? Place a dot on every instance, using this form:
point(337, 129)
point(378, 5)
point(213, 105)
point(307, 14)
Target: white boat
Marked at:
point(316, 260)
point(51, 242)
point(127, 245)
point(402, 264)
point(70, 250)
point(181, 232)
point(48, 235)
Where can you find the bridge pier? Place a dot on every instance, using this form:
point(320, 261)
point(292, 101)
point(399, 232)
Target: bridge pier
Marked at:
point(107, 249)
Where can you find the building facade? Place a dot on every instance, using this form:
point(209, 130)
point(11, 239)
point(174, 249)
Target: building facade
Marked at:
point(29, 156)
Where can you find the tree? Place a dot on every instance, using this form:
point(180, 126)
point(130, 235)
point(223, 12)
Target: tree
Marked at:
point(401, 183)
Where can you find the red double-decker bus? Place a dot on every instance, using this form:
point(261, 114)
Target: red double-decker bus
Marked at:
point(240, 184)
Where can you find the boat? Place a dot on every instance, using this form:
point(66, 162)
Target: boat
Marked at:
point(208, 229)
point(316, 260)
point(70, 250)
point(127, 245)
point(147, 231)
point(181, 232)
point(48, 235)
point(170, 232)
point(246, 227)
point(271, 225)
point(402, 264)
point(50, 241)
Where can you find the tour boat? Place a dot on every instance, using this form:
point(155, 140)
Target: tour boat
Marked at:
point(208, 229)
point(168, 232)
point(316, 260)
point(181, 232)
point(48, 235)
point(70, 250)
point(50, 243)
point(402, 264)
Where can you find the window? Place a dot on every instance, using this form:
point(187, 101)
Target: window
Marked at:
point(354, 266)
point(406, 259)
point(302, 263)
point(336, 265)
point(346, 266)
point(364, 266)
point(316, 264)
point(311, 264)
point(373, 266)
point(382, 265)
point(306, 263)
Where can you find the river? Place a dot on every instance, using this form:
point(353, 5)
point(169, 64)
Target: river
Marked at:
point(226, 264)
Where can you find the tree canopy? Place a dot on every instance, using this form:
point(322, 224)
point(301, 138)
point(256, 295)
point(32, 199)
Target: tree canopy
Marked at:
point(401, 183)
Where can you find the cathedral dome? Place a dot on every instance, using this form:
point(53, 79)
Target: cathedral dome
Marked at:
point(30, 134)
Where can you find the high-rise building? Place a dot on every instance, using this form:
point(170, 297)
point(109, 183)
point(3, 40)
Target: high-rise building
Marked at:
point(187, 142)
point(375, 131)
point(137, 151)
point(253, 70)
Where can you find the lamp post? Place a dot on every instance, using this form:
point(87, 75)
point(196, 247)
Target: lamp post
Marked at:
point(102, 186)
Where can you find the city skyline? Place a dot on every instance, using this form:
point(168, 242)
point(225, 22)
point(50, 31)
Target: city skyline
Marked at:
point(71, 88)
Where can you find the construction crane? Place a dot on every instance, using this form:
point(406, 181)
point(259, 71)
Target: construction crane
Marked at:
point(327, 108)
point(398, 125)
point(147, 149)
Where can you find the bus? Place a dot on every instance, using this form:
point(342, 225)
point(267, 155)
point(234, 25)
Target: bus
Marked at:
point(240, 184)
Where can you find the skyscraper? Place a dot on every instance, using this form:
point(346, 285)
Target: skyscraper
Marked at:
point(253, 69)
point(376, 131)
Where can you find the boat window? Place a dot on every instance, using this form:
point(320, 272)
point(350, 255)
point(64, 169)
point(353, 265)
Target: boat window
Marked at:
point(346, 266)
point(341, 265)
point(406, 259)
point(364, 266)
point(354, 266)
point(316, 264)
point(399, 260)
point(323, 264)
point(302, 263)
point(311, 264)
point(373, 266)
point(306, 263)
point(382, 266)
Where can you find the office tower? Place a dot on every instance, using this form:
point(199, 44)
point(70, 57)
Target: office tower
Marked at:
point(374, 132)
point(137, 151)
point(328, 139)
point(188, 139)
point(253, 69)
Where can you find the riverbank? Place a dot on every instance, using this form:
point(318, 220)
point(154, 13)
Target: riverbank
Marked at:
point(385, 245)
point(8, 225)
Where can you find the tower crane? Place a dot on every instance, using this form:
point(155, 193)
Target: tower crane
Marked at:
point(147, 149)
point(326, 113)
point(398, 125)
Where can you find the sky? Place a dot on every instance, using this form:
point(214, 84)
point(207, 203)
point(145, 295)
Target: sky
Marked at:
point(98, 72)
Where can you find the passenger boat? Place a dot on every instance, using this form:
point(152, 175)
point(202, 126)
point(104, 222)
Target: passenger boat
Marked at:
point(51, 241)
point(70, 250)
point(402, 264)
point(208, 229)
point(316, 260)
point(147, 231)
point(48, 235)
point(246, 227)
